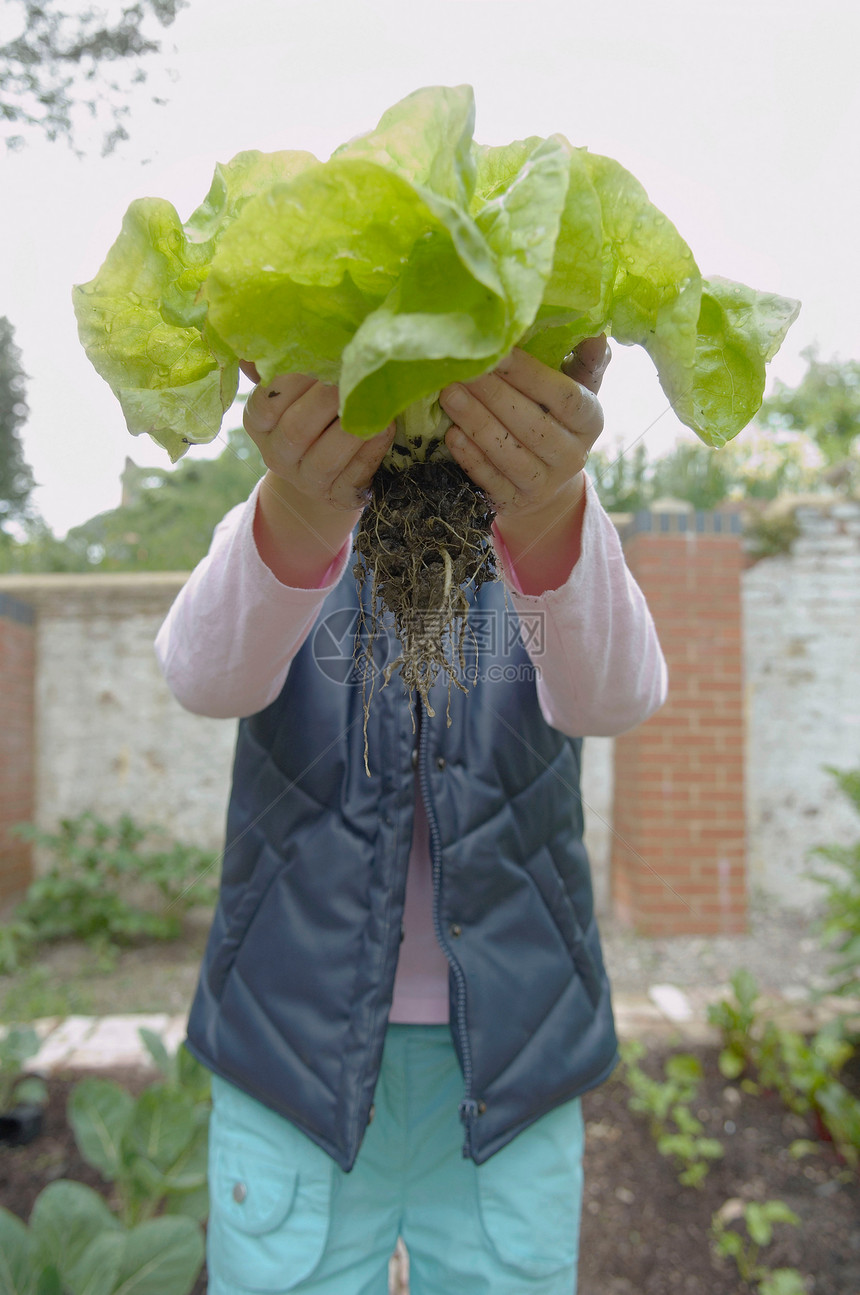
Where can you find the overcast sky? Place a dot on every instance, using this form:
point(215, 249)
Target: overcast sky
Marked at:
point(741, 120)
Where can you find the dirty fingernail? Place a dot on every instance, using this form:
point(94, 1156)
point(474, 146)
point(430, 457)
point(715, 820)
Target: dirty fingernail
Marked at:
point(453, 398)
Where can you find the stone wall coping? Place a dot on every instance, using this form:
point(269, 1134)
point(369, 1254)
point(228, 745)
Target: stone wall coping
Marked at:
point(825, 502)
point(44, 590)
point(113, 588)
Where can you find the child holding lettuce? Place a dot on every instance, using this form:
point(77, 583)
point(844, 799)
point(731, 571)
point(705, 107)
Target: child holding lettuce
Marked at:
point(403, 996)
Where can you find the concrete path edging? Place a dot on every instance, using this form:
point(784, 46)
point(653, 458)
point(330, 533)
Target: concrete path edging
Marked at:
point(663, 1013)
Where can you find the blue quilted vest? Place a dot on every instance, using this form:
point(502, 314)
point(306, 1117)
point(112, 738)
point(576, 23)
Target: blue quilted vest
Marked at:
point(294, 992)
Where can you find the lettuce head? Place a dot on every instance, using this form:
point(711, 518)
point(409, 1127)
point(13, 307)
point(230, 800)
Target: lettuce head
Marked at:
point(411, 258)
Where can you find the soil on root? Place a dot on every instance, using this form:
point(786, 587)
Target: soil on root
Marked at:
point(642, 1232)
point(422, 540)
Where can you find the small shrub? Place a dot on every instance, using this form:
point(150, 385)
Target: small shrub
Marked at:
point(75, 1243)
point(735, 1019)
point(803, 1071)
point(840, 928)
point(16, 1047)
point(770, 534)
point(85, 893)
point(153, 1148)
point(758, 1221)
point(675, 1129)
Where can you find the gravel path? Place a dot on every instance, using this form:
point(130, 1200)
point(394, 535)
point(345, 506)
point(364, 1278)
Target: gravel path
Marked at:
point(781, 950)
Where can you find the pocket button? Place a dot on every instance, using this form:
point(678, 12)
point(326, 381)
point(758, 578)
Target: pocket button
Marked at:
point(270, 1210)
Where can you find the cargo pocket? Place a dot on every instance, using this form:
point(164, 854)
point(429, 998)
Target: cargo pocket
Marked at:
point(268, 1217)
point(530, 1195)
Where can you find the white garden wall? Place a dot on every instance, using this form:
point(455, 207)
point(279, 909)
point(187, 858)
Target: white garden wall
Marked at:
point(110, 737)
point(802, 666)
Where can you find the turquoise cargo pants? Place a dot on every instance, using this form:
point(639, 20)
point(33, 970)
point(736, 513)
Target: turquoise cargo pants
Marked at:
point(285, 1217)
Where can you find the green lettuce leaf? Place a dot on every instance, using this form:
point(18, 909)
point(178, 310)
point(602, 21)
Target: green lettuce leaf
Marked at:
point(161, 370)
point(710, 340)
point(427, 139)
point(374, 273)
point(414, 257)
point(738, 331)
point(440, 324)
point(620, 268)
point(143, 323)
point(306, 262)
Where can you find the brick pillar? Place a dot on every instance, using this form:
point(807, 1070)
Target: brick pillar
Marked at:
point(17, 763)
point(679, 848)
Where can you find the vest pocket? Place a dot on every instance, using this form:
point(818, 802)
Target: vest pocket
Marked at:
point(550, 885)
point(268, 1218)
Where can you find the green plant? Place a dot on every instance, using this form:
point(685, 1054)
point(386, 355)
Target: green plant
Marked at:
point(677, 1132)
point(840, 928)
point(16, 941)
point(437, 257)
point(17, 1046)
point(770, 533)
point(152, 1148)
point(75, 1245)
point(84, 893)
point(825, 405)
point(735, 1018)
point(181, 1071)
point(758, 1220)
point(803, 1071)
point(33, 993)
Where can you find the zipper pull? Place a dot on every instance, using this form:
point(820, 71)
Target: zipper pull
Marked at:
point(468, 1111)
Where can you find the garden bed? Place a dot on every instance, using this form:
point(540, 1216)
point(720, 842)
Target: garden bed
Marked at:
point(645, 1234)
point(642, 1232)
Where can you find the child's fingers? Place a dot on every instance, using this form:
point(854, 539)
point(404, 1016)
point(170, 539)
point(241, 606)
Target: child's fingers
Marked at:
point(293, 421)
point(351, 487)
point(266, 405)
point(483, 470)
point(285, 419)
point(520, 432)
point(572, 404)
point(339, 468)
point(588, 362)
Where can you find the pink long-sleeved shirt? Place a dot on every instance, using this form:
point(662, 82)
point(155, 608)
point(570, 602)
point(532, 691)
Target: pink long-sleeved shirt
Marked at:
point(226, 645)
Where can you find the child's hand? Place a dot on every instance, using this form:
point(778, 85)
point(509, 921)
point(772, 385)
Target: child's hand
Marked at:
point(318, 480)
point(293, 422)
point(523, 433)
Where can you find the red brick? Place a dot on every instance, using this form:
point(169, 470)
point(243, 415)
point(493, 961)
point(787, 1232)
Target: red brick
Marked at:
point(679, 781)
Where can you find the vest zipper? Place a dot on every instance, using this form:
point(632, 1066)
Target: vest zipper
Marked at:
point(468, 1108)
